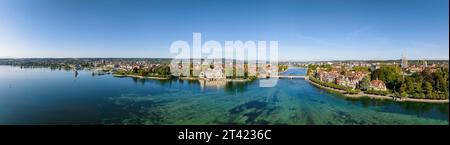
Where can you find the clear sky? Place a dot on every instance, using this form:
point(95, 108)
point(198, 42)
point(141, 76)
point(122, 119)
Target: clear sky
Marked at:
point(305, 29)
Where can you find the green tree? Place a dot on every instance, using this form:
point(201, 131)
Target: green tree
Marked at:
point(365, 83)
point(419, 86)
point(326, 67)
point(311, 68)
point(410, 85)
point(441, 83)
point(361, 68)
point(403, 88)
point(309, 72)
point(142, 72)
point(429, 89)
point(391, 75)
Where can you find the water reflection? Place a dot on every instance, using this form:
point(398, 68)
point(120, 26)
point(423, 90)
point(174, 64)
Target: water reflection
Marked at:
point(236, 87)
point(218, 84)
point(142, 81)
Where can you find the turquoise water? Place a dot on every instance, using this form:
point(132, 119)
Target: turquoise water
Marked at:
point(44, 96)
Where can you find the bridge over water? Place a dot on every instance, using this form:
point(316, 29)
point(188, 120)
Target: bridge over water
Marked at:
point(290, 76)
point(292, 73)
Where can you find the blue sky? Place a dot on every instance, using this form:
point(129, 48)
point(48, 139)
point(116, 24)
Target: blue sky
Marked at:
point(305, 29)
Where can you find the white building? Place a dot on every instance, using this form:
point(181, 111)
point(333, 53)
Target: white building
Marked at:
point(216, 73)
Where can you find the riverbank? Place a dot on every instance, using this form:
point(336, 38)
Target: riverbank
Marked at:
point(239, 80)
point(227, 80)
point(142, 77)
point(362, 94)
point(188, 78)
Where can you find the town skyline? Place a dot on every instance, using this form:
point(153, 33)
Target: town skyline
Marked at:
point(280, 60)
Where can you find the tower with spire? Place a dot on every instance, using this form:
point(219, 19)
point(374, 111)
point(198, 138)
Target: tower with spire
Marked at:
point(404, 63)
point(424, 63)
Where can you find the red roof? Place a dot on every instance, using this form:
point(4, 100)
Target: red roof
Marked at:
point(377, 83)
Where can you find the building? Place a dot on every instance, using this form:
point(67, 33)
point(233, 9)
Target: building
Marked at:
point(213, 74)
point(331, 76)
point(377, 85)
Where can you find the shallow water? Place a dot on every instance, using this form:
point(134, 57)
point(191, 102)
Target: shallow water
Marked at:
point(44, 96)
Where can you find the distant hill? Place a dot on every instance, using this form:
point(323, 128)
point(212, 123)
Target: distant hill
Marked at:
point(7, 57)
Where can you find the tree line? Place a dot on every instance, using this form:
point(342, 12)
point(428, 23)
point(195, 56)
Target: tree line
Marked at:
point(429, 84)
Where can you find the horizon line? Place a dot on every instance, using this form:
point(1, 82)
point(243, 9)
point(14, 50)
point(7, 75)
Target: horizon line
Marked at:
point(281, 60)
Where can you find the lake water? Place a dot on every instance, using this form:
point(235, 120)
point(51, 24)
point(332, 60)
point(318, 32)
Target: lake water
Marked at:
point(44, 96)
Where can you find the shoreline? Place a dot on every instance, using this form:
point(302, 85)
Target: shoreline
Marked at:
point(227, 80)
point(181, 78)
point(372, 96)
point(238, 80)
point(141, 77)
